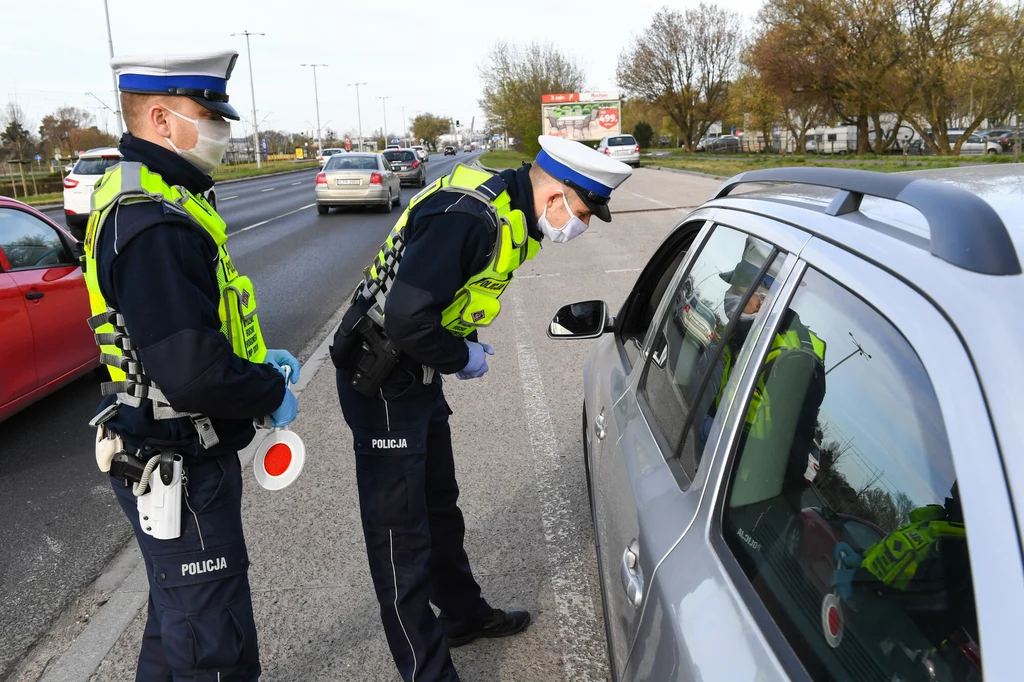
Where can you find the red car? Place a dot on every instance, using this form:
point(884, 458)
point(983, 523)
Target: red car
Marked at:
point(45, 342)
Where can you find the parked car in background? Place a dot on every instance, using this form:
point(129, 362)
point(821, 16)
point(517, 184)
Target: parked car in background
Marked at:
point(974, 144)
point(1005, 137)
point(407, 165)
point(79, 185)
point(44, 341)
point(723, 144)
point(328, 153)
point(357, 179)
point(622, 148)
point(713, 530)
point(450, 151)
point(810, 145)
point(421, 152)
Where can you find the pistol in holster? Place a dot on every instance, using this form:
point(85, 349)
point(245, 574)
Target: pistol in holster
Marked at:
point(361, 347)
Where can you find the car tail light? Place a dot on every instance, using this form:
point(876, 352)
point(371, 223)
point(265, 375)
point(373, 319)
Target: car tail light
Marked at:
point(608, 151)
point(112, 157)
point(70, 183)
point(415, 164)
point(637, 149)
point(376, 178)
point(321, 178)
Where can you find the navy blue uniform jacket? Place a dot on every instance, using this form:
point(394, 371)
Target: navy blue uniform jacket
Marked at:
point(158, 268)
point(442, 252)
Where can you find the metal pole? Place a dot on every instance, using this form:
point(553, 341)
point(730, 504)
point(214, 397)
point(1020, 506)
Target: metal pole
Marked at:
point(359, 113)
point(316, 94)
point(113, 76)
point(252, 90)
point(404, 125)
point(384, 133)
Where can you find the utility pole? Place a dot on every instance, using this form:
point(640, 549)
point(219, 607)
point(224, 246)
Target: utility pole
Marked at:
point(405, 126)
point(252, 89)
point(359, 113)
point(858, 350)
point(110, 46)
point(384, 133)
point(316, 94)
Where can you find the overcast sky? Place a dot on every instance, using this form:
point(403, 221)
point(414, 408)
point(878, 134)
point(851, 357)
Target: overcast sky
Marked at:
point(424, 55)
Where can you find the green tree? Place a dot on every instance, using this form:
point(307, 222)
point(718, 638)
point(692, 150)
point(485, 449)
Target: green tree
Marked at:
point(57, 129)
point(644, 133)
point(684, 62)
point(429, 127)
point(515, 77)
point(17, 138)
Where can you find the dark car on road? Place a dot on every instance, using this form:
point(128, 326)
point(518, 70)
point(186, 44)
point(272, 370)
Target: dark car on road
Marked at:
point(724, 144)
point(407, 165)
point(450, 151)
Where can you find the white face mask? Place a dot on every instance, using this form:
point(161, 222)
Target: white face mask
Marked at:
point(573, 228)
point(209, 149)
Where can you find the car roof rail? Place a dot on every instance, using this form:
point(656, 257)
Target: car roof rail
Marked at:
point(965, 230)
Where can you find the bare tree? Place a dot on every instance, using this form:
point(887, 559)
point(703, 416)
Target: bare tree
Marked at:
point(515, 77)
point(16, 138)
point(684, 62)
point(57, 129)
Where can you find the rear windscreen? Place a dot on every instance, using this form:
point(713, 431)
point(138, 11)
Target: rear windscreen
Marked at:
point(346, 162)
point(94, 166)
point(621, 141)
point(400, 156)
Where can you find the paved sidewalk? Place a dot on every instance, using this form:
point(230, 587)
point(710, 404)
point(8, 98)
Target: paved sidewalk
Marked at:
point(519, 458)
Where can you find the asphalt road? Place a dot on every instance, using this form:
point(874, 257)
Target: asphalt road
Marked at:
point(62, 524)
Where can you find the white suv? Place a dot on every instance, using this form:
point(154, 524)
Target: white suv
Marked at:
point(79, 183)
point(420, 151)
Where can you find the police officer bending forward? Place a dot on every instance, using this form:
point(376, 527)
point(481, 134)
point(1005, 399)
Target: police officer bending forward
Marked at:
point(457, 246)
point(178, 329)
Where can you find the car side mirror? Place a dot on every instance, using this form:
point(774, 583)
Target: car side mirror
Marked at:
point(583, 320)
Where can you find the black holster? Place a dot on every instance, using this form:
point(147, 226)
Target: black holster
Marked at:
point(361, 347)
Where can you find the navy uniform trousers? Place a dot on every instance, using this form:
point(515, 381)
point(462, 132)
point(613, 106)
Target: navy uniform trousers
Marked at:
point(414, 530)
point(200, 626)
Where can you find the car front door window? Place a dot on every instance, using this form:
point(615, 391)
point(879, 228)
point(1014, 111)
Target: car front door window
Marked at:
point(29, 243)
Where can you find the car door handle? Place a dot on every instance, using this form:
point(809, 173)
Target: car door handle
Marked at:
point(34, 295)
point(632, 576)
point(600, 430)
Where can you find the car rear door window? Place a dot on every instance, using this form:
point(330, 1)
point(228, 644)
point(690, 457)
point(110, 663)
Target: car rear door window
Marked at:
point(95, 166)
point(29, 242)
point(693, 352)
point(862, 560)
point(621, 141)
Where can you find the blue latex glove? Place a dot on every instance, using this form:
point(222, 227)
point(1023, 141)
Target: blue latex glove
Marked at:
point(848, 562)
point(286, 411)
point(279, 358)
point(477, 365)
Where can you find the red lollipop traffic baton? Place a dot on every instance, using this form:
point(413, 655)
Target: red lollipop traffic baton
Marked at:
point(280, 457)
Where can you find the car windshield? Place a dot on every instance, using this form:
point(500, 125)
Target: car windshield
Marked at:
point(400, 156)
point(331, 152)
point(621, 141)
point(95, 166)
point(347, 162)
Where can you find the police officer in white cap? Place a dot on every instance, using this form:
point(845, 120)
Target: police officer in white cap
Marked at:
point(177, 327)
point(436, 281)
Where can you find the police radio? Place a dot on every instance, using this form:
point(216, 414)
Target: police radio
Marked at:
point(280, 457)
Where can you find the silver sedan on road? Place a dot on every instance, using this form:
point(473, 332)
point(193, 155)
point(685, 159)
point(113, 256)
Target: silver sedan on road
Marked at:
point(358, 179)
point(810, 393)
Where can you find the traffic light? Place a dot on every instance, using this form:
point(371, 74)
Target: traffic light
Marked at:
point(457, 124)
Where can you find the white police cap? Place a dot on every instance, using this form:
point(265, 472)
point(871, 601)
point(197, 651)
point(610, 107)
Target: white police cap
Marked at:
point(592, 174)
point(201, 77)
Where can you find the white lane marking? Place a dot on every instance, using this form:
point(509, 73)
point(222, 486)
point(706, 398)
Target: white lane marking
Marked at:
point(541, 274)
point(296, 183)
point(646, 198)
point(577, 623)
point(623, 270)
point(269, 189)
point(228, 198)
point(264, 222)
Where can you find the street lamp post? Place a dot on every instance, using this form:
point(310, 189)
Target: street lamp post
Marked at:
point(252, 89)
point(359, 113)
point(384, 133)
point(316, 94)
point(110, 45)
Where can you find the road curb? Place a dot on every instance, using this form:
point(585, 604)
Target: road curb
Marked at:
point(686, 172)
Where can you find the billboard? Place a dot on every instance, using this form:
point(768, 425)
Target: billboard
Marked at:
point(581, 115)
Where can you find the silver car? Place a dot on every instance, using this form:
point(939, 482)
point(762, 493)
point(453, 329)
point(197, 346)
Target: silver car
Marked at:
point(787, 498)
point(407, 166)
point(622, 148)
point(357, 179)
point(421, 152)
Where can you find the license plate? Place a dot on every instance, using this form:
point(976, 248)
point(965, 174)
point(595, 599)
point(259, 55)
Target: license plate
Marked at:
point(348, 182)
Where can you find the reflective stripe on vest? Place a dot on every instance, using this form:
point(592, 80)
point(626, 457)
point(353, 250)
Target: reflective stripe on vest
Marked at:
point(476, 303)
point(896, 558)
point(128, 183)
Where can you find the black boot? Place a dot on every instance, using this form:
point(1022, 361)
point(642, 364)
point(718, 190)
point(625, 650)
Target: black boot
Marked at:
point(500, 624)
